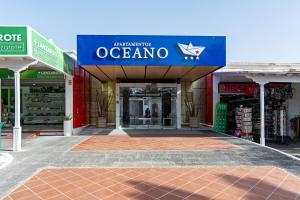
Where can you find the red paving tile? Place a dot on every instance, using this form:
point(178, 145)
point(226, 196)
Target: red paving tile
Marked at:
point(219, 183)
point(121, 143)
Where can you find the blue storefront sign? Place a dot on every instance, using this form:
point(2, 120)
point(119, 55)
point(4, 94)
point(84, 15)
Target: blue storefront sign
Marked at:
point(136, 50)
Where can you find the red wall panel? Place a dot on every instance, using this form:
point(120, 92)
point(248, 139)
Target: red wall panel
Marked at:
point(76, 100)
point(81, 97)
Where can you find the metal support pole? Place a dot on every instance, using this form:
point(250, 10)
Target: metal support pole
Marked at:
point(216, 95)
point(69, 104)
point(262, 113)
point(178, 106)
point(17, 130)
point(118, 106)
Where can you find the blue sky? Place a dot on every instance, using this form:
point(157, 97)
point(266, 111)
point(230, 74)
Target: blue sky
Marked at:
point(256, 30)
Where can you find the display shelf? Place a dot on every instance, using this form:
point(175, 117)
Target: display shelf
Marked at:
point(40, 107)
point(243, 118)
point(220, 123)
point(276, 107)
point(236, 101)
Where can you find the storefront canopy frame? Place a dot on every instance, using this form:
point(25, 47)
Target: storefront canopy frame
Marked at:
point(22, 46)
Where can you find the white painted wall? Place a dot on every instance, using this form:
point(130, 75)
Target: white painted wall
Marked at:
point(293, 106)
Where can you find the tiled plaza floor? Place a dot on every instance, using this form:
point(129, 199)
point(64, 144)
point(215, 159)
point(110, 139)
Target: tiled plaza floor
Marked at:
point(121, 143)
point(148, 164)
point(252, 183)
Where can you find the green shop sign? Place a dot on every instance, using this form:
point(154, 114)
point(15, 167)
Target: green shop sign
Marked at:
point(37, 74)
point(6, 74)
point(48, 53)
point(32, 74)
point(13, 40)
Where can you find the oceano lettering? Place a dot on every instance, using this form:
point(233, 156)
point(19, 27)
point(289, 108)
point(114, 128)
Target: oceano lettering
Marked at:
point(132, 53)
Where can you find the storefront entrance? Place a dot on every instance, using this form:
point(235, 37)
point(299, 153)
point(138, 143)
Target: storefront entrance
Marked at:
point(146, 74)
point(148, 105)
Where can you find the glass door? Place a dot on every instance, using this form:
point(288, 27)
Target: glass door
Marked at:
point(154, 107)
point(148, 107)
point(136, 111)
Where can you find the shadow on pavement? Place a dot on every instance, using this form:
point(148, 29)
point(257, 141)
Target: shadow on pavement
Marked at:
point(147, 190)
point(163, 133)
point(256, 189)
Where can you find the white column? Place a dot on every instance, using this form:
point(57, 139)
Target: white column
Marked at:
point(17, 66)
point(69, 98)
point(216, 95)
point(118, 106)
point(17, 130)
point(178, 106)
point(262, 113)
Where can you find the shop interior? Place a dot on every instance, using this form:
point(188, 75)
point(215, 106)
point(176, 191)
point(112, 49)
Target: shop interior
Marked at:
point(42, 103)
point(238, 112)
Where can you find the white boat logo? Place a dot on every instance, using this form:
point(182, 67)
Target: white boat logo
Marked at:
point(191, 51)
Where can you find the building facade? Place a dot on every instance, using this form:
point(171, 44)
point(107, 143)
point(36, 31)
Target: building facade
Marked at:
point(149, 78)
point(131, 81)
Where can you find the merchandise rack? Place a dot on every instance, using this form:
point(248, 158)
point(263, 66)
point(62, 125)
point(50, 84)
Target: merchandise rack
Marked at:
point(41, 107)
